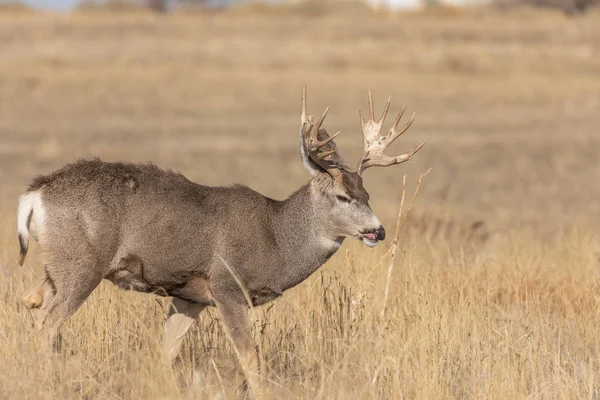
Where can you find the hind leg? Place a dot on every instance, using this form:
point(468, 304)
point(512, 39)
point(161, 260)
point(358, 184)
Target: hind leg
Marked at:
point(68, 282)
point(38, 298)
point(70, 295)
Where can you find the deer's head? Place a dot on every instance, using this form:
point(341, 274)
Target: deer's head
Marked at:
point(339, 197)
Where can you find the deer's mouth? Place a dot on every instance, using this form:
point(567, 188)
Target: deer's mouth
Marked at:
point(370, 239)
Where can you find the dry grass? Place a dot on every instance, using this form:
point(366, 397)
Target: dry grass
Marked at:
point(522, 324)
point(494, 287)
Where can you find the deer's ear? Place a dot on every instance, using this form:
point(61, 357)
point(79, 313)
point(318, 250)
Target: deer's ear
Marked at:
point(312, 167)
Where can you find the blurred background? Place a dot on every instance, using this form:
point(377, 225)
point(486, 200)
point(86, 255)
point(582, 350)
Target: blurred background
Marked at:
point(507, 94)
point(574, 6)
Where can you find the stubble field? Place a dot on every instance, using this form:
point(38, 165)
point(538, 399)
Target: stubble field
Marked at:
point(494, 292)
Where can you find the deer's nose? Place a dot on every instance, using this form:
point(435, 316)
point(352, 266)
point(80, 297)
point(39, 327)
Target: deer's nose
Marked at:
point(380, 233)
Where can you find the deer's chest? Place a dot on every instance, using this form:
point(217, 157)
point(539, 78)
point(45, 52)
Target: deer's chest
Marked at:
point(300, 268)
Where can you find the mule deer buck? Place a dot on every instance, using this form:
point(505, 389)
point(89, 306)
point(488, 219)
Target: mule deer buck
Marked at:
point(154, 231)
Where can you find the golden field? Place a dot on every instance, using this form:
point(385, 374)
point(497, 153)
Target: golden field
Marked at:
point(494, 290)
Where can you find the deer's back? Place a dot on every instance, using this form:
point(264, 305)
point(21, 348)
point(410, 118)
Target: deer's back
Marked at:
point(153, 222)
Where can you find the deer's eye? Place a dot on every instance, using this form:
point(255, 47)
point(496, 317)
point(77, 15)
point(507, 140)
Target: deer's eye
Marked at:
point(343, 199)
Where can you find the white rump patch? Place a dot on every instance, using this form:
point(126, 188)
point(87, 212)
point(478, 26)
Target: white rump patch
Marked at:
point(31, 215)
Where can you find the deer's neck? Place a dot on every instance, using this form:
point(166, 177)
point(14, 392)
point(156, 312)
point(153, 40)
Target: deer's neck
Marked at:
point(302, 237)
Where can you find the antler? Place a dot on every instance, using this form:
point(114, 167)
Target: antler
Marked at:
point(374, 143)
point(318, 143)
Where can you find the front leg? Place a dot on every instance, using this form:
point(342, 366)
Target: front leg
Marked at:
point(234, 318)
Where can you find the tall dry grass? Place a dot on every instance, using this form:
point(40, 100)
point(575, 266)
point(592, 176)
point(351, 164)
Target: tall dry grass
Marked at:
point(523, 323)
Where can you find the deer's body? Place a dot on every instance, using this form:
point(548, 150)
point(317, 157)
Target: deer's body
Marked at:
point(154, 231)
point(126, 214)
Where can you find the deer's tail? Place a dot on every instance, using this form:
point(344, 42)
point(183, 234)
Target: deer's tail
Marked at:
point(26, 203)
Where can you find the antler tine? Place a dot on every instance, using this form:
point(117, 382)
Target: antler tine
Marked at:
point(399, 117)
point(317, 144)
point(371, 129)
point(374, 143)
point(417, 148)
point(303, 117)
point(317, 126)
point(314, 146)
point(394, 134)
point(325, 154)
point(381, 160)
point(313, 141)
point(385, 110)
point(371, 112)
point(406, 156)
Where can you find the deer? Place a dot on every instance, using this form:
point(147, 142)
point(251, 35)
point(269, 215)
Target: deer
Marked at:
point(152, 230)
